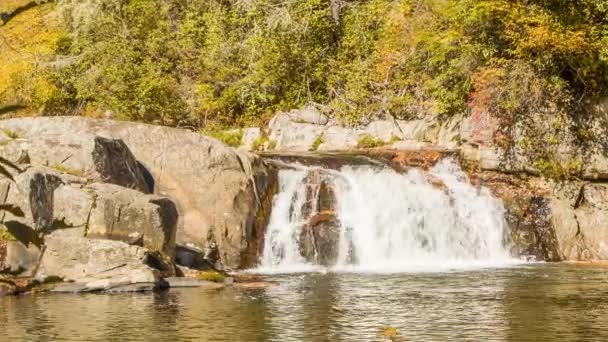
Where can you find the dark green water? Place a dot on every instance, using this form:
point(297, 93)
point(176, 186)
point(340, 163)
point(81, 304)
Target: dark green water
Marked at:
point(543, 302)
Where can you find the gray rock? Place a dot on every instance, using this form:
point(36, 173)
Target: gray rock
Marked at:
point(308, 115)
point(130, 216)
point(413, 129)
point(579, 215)
point(95, 265)
point(222, 195)
point(384, 130)
point(84, 154)
point(250, 135)
point(34, 193)
point(17, 257)
point(293, 136)
point(336, 138)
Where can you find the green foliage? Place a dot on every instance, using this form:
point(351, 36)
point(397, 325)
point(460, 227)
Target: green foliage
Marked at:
point(213, 276)
point(368, 141)
point(258, 143)
point(232, 137)
point(212, 63)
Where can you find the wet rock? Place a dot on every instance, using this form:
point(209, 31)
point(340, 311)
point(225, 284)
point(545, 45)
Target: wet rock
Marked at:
point(175, 282)
point(319, 239)
point(7, 289)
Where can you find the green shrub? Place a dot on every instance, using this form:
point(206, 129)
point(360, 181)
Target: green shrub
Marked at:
point(258, 143)
point(231, 137)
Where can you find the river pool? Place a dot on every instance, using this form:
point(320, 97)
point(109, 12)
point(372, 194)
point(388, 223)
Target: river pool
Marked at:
point(533, 302)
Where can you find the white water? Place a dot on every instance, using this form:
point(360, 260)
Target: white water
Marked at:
point(394, 222)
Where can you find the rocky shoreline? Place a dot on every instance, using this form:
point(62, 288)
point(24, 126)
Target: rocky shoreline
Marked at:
point(119, 206)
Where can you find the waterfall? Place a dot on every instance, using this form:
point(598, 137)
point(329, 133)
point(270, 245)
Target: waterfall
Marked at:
point(366, 219)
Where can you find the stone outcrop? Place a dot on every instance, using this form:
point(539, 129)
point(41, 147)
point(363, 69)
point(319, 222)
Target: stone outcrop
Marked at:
point(222, 196)
point(97, 265)
point(127, 215)
point(299, 130)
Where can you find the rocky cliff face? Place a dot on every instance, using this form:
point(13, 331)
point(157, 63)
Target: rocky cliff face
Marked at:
point(222, 197)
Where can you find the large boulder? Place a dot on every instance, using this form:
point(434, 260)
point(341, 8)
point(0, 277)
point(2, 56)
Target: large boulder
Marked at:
point(222, 196)
point(293, 135)
point(52, 201)
point(96, 265)
point(130, 216)
point(83, 154)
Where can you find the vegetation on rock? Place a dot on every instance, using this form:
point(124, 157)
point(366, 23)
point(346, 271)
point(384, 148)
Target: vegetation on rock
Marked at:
point(539, 66)
point(213, 276)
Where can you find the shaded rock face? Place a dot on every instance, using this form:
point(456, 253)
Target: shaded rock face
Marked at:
point(320, 234)
point(222, 196)
point(116, 164)
point(98, 210)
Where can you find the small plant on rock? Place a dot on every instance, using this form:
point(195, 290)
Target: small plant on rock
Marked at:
point(211, 275)
point(367, 141)
point(11, 134)
point(318, 141)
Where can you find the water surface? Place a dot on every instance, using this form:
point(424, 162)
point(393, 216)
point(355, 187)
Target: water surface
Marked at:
point(542, 302)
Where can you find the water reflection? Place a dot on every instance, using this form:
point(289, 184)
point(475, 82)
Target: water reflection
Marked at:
point(530, 303)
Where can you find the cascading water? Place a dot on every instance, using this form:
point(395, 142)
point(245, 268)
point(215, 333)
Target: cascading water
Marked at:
point(383, 221)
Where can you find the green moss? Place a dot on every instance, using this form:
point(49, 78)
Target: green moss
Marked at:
point(554, 169)
point(368, 141)
point(213, 276)
point(318, 141)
